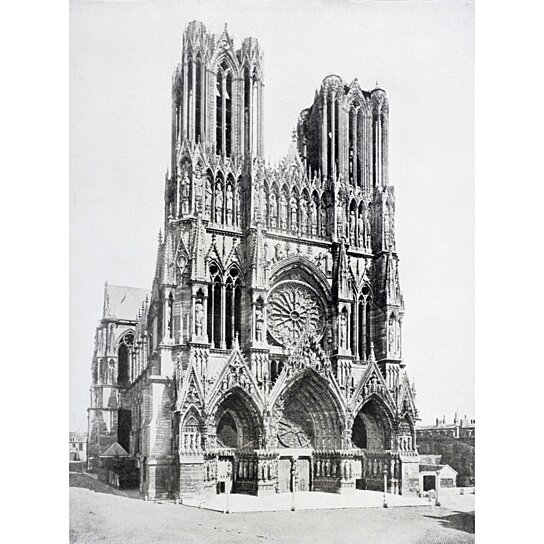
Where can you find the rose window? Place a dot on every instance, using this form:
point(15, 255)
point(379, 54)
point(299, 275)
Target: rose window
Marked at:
point(291, 435)
point(293, 309)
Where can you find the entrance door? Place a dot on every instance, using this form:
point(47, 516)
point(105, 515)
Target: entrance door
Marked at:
point(284, 476)
point(358, 473)
point(224, 474)
point(429, 482)
point(303, 474)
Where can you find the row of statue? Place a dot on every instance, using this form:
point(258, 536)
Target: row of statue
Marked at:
point(331, 468)
point(220, 202)
point(295, 215)
point(376, 466)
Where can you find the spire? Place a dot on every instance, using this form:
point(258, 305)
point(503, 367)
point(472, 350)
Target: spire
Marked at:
point(106, 310)
point(372, 357)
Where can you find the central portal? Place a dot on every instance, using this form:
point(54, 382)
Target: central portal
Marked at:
point(310, 418)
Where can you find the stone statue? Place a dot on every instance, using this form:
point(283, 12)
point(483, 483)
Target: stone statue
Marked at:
point(111, 372)
point(229, 204)
point(294, 214)
point(259, 323)
point(185, 193)
point(323, 221)
point(339, 220)
point(198, 189)
point(238, 207)
point(313, 217)
point(391, 335)
point(218, 204)
point(199, 317)
point(386, 228)
point(278, 256)
point(303, 216)
point(208, 196)
point(368, 232)
point(361, 228)
point(273, 210)
point(343, 330)
point(283, 212)
point(352, 226)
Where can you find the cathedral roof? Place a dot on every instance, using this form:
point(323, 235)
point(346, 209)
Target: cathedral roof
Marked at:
point(123, 302)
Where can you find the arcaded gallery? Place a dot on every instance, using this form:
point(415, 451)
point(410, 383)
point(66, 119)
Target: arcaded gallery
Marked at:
point(267, 355)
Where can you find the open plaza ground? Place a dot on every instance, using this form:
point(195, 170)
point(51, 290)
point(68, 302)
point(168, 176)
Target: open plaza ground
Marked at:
point(99, 513)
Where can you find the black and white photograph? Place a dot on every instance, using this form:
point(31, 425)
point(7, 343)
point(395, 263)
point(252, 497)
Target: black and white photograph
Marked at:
point(266, 264)
point(272, 272)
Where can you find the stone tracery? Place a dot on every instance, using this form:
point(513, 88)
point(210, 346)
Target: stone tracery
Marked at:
point(294, 309)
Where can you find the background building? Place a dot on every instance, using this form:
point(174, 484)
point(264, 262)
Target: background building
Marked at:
point(454, 442)
point(268, 354)
point(77, 446)
point(433, 472)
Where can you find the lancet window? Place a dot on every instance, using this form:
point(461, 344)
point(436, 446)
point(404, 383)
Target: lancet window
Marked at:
point(360, 131)
point(195, 102)
point(224, 307)
point(123, 358)
point(233, 306)
point(215, 307)
point(329, 134)
point(352, 146)
point(247, 111)
point(363, 340)
point(199, 113)
point(223, 110)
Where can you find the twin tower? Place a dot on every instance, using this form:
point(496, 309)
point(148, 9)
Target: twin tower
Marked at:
point(267, 354)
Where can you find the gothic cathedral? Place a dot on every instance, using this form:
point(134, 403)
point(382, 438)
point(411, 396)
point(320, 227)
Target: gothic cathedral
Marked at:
point(267, 355)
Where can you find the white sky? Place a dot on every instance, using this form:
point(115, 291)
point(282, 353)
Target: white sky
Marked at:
point(122, 55)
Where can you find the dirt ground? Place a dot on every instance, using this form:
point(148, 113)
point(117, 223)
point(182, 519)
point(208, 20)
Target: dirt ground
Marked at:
point(99, 513)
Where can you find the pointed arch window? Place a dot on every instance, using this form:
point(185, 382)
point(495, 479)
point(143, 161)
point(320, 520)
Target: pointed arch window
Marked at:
point(215, 307)
point(123, 358)
point(247, 111)
point(224, 110)
point(190, 95)
point(170, 323)
point(329, 135)
point(254, 110)
point(199, 117)
point(336, 135)
point(228, 115)
point(219, 113)
point(364, 323)
point(233, 306)
point(352, 146)
point(360, 130)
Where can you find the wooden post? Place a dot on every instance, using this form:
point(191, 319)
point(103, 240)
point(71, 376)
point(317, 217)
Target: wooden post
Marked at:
point(385, 505)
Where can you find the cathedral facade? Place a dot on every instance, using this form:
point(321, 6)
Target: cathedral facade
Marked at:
point(267, 355)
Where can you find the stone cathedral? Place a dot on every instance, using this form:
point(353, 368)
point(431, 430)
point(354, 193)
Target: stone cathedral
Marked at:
point(267, 354)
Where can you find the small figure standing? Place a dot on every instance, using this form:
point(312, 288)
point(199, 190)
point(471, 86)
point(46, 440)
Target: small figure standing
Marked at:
point(199, 317)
